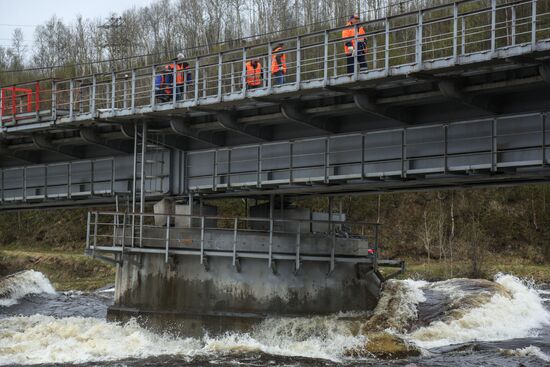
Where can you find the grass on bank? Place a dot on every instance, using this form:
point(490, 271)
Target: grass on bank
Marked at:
point(66, 270)
point(435, 270)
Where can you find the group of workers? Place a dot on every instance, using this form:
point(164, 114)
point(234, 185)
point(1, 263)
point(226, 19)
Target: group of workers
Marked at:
point(355, 48)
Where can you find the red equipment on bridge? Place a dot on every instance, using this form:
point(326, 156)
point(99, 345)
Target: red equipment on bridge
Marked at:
point(16, 101)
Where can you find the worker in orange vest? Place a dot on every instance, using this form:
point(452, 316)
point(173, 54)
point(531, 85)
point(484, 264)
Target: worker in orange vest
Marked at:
point(253, 74)
point(278, 64)
point(180, 75)
point(351, 49)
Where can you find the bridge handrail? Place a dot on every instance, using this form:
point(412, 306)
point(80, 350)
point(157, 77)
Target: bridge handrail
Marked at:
point(116, 231)
point(212, 81)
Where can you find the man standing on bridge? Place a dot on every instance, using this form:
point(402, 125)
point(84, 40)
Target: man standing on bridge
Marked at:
point(350, 48)
point(278, 64)
point(253, 74)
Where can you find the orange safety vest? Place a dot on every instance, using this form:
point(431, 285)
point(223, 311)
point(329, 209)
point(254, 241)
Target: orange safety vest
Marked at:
point(348, 34)
point(180, 75)
point(275, 66)
point(253, 75)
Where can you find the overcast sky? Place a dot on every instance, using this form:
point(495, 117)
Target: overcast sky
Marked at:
point(36, 12)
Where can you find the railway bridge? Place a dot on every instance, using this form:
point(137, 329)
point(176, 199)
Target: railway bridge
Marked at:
point(454, 95)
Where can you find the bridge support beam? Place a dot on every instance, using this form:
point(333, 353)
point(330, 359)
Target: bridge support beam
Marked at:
point(292, 112)
point(42, 142)
point(90, 137)
point(228, 121)
point(367, 103)
point(180, 127)
point(451, 89)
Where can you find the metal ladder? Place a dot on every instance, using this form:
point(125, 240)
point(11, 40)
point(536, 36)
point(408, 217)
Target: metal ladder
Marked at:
point(149, 172)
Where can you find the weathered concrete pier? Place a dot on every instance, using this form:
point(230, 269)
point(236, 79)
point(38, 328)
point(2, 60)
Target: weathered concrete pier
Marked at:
point(218, 274)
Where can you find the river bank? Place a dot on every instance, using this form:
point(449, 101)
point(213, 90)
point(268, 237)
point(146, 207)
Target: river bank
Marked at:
point(67, 270)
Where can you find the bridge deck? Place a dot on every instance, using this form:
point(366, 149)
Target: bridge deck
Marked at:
point(453, 95)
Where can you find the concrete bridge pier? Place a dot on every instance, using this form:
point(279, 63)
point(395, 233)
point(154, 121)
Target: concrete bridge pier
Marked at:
point(194, 273)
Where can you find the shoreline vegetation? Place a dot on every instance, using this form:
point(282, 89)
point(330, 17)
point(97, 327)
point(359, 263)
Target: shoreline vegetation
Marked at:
point(440, 235)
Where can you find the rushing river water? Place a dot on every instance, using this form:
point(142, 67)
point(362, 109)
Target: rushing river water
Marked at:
point(458, 322)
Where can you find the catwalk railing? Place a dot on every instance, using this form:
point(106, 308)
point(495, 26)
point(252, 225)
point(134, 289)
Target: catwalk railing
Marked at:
point(443, 36)
point(213, 236)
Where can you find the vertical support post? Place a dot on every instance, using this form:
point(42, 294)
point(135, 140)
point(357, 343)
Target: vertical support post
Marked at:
point(374, 51)
point(215, 171)
point(271, 215)
point(270, 259)
point(94, 95)
point(463, 38)
point(355, 54)
point(387, 48)
point(243, 76)
point(46, 182)
point(95, 234)
point(174, 83)
point(259, 167)
point(24, 184)
point(197, 71)
point(113, 174)
point(446, 148)
point(513, 41)
point(419, 39)
point(494, 146)
point(167, 243)
point(363, 146)
point(298, 240)
point(533, 24)
point(325, 59)
point(123, 241)
point(327, 160)
point(228, 167)
point(125, 92)
point(133, 91)
point(455, 32)
point(290, 162)
point(113, 92)
point(332, 233)
point(335, 60)
point(235, 229)
point(269, 62)
point(543, 128)
point(69, 180)
point(92, 176)
point(220, 76)
point(88, 223)
point(298, 62)
point(142, 180)
point(204, 84)
point(153, 77)
point(54, 99)
point(232, 77)
point(202, 240)
point(493, 24)
point(403, 153)
point(71, 99)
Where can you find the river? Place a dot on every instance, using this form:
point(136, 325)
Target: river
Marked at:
point(458, 322)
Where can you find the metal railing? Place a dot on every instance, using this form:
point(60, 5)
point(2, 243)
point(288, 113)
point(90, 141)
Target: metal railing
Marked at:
point(459, 33)
point(119, 233)
point(482, 145)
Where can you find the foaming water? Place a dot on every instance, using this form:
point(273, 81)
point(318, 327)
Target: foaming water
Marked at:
point(45, 339)
point(518, 313)
point(69, 327)
point(527, 352)
point(18, 285)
